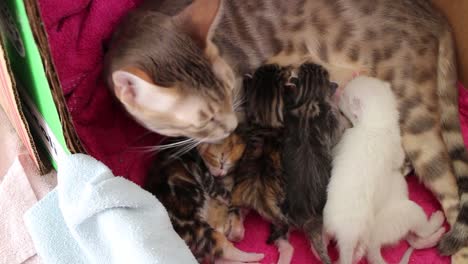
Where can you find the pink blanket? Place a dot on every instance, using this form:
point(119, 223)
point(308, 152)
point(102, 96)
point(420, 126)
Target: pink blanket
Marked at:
point(78, 32)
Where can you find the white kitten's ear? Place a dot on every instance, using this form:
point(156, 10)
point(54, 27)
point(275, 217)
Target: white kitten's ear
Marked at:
point(134, 89)
point(356, 107)
point(200, 19)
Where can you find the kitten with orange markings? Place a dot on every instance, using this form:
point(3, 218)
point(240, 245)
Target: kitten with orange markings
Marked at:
point(198, 205)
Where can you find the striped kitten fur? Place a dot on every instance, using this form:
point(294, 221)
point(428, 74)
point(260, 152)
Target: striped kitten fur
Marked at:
point(405, 42)
point(289, 133)
point(199, 208)
point(313, 125)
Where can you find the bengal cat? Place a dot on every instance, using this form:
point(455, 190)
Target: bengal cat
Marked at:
point(175, 66)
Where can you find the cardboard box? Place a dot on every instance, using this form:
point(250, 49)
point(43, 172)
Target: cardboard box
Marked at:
point(34, 94)
point(34, 100)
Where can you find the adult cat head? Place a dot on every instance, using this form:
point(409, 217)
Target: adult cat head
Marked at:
point(168, 74)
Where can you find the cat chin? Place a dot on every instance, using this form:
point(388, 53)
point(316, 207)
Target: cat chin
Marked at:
point(215, 140)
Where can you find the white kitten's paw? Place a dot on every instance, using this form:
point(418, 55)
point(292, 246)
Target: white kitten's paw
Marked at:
point(437, 220)
point(426, 242)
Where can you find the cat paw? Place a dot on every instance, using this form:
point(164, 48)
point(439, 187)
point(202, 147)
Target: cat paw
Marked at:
point(236, 232)
point(232, 255)
point(437, 220)
point(286, 251)
point(426, 242)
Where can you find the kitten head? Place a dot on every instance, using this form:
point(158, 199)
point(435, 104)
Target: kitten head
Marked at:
point(168, 74)
point(368, 98)
point(221, 157)
point(311, 90)
point(263, 94)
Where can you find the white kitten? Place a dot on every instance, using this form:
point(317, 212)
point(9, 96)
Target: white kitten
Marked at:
point(368, 205)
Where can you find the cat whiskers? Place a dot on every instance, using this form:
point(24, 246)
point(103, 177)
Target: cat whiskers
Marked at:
point(238, 99)
point(177, 144)
point(238, 104)
point(189, 147)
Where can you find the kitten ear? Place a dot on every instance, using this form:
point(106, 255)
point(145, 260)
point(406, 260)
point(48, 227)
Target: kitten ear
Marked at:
point(333, 88)
point(133, 88)
point(356, 107)
point(199, 20)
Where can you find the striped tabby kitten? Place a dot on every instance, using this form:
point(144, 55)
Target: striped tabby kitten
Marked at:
point(197, 205)
point(174, 63)
point(283, 174)
point(313, 125)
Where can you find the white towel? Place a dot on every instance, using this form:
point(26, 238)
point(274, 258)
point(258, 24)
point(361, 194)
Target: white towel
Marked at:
point(16, 197)
point(111, 219)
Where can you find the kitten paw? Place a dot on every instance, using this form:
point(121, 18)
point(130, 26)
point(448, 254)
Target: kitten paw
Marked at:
point(426, 242)
point(236, 231)
point(437, 220)
point(233, 255)
point(286, 251)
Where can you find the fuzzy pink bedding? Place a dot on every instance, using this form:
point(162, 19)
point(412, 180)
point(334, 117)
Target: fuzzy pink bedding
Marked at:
point(78, 32)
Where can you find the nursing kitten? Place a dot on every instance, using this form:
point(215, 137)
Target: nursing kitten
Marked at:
point(197, 207)
point(174, 63)
point(283, 173)
point(258, 178)
point(367, 205)
point(313, 125)
point(221, 159)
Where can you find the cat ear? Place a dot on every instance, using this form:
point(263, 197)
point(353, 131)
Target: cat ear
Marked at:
point(356, 107)
point(134, 88)
point(199, 20)
point(333, 88)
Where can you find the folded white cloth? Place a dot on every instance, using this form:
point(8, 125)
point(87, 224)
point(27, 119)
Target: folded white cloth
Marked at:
point(53, 241)
point(16, 197)
point(109, 220)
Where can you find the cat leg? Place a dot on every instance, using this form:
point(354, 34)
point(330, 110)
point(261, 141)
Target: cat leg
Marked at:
point(314, 231)
point(347, 247)
point(390, 227)
point(425, 229)
point(428, 154)
point(236, 230)
point(432, 139)
point(211, 245)
point(279, 236)
point(457, 238)
point(227, 252)
point(417, 242)
point(286, 251)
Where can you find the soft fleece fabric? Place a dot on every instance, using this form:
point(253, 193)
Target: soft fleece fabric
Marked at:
point(78, 33)
point(94, 217)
